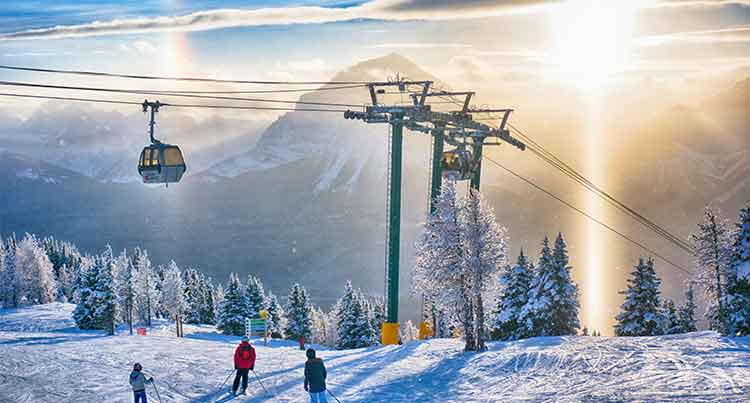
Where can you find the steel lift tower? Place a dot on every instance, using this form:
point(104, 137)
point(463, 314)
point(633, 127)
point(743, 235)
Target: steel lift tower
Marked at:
point(463, 162)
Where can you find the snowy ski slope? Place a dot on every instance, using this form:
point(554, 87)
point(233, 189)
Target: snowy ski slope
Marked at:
point(45, 359)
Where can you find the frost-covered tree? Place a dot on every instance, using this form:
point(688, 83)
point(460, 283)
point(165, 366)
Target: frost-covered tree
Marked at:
point(193, 295)
point(256, 298)
point(353, 325)
point(218, 297)
point(639, 313)
point(507, 322)
point(377, 315)
point(687, 311)
point(484, 246)
point(276, 319)
point(298, 314)
point(739, 278)
point(146, 281)
point(552, 307)
point(208, 306)
point(670, 322)
point(126, 288)
point(35, 282)
point(439, 272)
point(65, 259)
point(233, 310)
point(8, 290)
point(173, 295)
point(409, 332)
point(711, 246)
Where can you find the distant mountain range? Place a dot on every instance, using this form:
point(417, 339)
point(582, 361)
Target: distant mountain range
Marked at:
point(304, 198)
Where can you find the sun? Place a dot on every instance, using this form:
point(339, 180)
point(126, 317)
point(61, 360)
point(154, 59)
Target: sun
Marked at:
point(592, 40)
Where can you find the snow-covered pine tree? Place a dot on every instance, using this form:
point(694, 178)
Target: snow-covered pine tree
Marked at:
point(439, 271)
point(739, 278)
point(83, 314)
point(126, 288)
point(711, 246)
point(233, 310)
point(484, 244)
point(298, 314)
point(192, 296)
point(319, 326)
point(105, 305)
point(377, 315)
point(670, 322)
point(208, 306)
point(639, 313)
point(687, 311)
point(353, 325)
point(35, 282)
point(515, 282)
point(97, 299)
point(276, 320)
point(553, 301)
point(173, 295)
point(146, 281)
point(256, 298)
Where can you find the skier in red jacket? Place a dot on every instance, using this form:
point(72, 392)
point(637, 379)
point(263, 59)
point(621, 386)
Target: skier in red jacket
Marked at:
point(244, 362)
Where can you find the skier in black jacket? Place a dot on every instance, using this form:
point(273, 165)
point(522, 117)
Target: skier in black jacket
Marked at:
point(315, 378)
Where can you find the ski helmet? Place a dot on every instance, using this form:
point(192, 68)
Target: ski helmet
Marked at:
point(310, 353)
point(245, 338)
point(137, 367)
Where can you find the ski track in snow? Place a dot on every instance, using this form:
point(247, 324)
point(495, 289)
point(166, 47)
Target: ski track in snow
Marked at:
point(46, 359)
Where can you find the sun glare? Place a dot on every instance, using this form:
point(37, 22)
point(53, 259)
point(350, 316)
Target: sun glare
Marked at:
point(592, 40)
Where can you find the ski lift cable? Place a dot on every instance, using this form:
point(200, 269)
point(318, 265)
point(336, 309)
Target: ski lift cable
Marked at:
point(172, 78)
point(170, 93)
point(590, 217)
point(551, 159)
point(109, 101)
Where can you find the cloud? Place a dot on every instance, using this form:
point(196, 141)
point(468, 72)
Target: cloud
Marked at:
point(419, 45)
point(699, 3)
point(727, 35)
point(392, 10)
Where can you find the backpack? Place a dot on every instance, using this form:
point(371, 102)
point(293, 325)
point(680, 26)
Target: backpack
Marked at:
point(245, 352)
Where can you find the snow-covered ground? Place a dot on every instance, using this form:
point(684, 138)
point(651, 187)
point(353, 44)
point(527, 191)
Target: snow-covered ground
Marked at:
point(43, 358)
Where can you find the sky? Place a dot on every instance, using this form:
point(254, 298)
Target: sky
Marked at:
point(581, 41)
point(606, 55)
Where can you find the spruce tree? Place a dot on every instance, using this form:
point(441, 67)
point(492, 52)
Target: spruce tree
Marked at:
point(639, 313)
point(507, 322)
point(670, 322)
point(553, 301)
point(97, 307)
point(353, 324)
point(739, 278)
point(711, 245)
point(83, 314)
point(377, 315)
point(298, 313)
point(687, 311)
point(233, 310)
point(256, 298)
point(193, 296)
point(277, 321)
point(208, 307)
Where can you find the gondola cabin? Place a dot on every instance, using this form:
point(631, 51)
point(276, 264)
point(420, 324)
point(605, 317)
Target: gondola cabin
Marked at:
point(457, 164)
point(161, 163)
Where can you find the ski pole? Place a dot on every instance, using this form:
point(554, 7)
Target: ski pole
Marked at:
point(156, 389)
point(225, 382)
point(261, 383)
point(334, 396)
